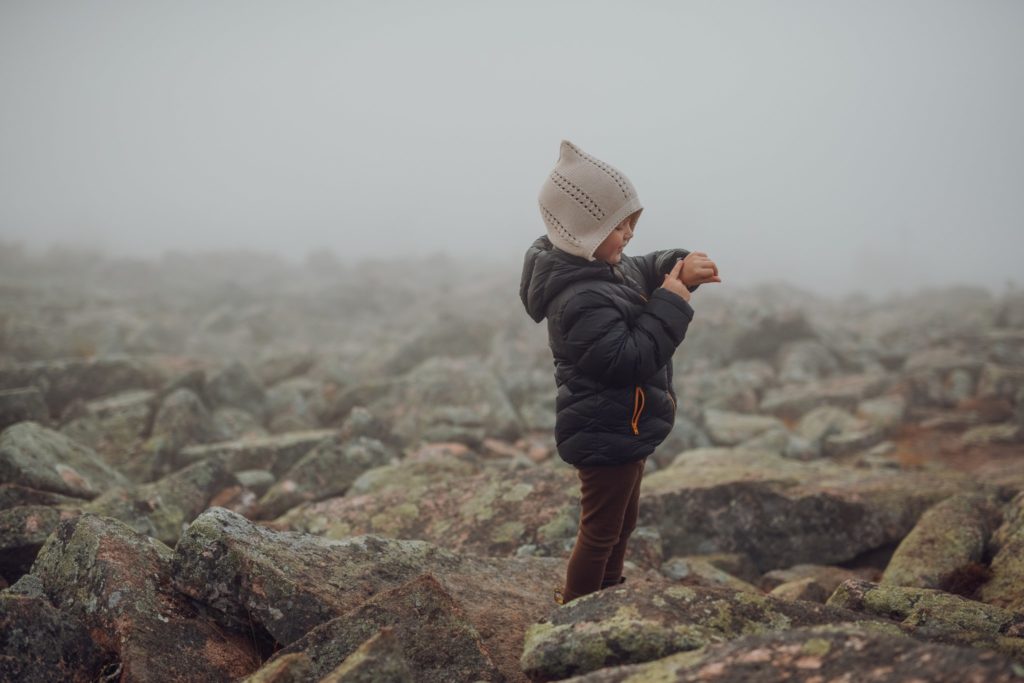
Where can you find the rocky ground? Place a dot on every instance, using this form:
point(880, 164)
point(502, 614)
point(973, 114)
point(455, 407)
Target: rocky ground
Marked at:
point(224, 467)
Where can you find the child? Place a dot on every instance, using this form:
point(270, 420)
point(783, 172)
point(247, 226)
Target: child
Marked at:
point(614, 322)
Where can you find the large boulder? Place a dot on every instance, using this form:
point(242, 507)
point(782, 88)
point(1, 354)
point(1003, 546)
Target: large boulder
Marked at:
point(805, 360)
point(765, 336)
point(112, 426)
point(782, 512)
point(843, 391)
point(947, 541)
point(163, 508)
point(379, 658)
point(181, 420)
point(288, 583)
point(637, 622)
point(37, 457)
point(117, 582)
point(328, 469)
point(276, 453)
point(63, 381)
point(18, 405)
point(23, 530)
point(730, 429)
point(449, 399)
point(936, 615)
point(40, 645)
point(490, 513)
point(815, 654)
point(941, 376)
point(437, 640)
point(236, 385)
point(1006, 586)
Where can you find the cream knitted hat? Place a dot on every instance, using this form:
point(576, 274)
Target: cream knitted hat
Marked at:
point(583, 199)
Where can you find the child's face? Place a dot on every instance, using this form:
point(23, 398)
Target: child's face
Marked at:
point(610, 251)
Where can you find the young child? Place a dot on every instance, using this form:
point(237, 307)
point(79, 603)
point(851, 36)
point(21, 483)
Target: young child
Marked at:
point(614, 321)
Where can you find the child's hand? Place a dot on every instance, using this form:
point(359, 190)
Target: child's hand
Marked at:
point(674, 284)
point(698, 269)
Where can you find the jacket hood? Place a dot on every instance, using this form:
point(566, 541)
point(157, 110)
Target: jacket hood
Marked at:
point(547, 270)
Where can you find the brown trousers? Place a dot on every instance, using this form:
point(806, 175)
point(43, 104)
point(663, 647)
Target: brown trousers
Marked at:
point(610, 501)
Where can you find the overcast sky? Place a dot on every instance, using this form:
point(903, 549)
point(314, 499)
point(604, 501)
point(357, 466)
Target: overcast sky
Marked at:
point(832, 144)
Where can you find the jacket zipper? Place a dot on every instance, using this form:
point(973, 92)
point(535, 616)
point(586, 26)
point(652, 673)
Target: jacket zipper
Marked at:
point(638, 407)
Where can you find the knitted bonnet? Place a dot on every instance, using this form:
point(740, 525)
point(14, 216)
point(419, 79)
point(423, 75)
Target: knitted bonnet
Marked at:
point(583, 199)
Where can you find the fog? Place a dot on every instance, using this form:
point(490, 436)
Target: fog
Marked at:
point(838, 146)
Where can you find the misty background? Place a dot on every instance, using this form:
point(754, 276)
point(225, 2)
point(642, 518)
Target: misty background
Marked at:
point(833, 145)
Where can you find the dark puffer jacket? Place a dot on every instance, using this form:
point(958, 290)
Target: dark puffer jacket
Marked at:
point(612, 330)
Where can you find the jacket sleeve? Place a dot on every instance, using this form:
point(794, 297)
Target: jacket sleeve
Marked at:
point(604, 346)
point(657, 264)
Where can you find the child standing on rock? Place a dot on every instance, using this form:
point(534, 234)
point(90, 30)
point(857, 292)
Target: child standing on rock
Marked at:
point(614, 321)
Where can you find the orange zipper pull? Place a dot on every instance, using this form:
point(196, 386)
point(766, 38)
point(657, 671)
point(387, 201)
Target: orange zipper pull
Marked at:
point(638, 407)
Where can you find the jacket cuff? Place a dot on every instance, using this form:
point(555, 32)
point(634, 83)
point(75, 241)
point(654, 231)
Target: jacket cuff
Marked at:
point(671, 308)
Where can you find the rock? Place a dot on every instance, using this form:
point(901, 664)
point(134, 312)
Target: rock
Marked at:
point(844, 391)
point(328, 469)
point(234, 423)
point(12, 495)
point(782, 512)
point(22, 532)
point(276, 453)
point(766, 336)
point(885, 412)
point(436, 639)
point(734, 388)
point(854, 441)
point(451, 334)
point(113, 426)
point(293, 668)
point(730, 429)
point(734, 564)
point(941, 376)
point(181, 420)
point(637, 623)
point(824, 421)
point(449, 399)
point(280, 367)
point(701, 571)
point(815, 654)
point(931, 614)
point(807, 589)
point(1006, 586)
point(18, 405)
point(490, 513)
point(118, 583)
point(295, 404)
point(361, 422)
point(62, 381)
point(805, 360)
point(686, 435)
point(999, 381)
point(834, 431)
point(948, 539)
point(423, 468)
point(28, 585)
point(235, 385)
point(40, 645)
point(983, 435)
point(257, 481)
point(379, 659)
point(289, 583)
point(163, 508)
point(826, 576)
point(34, 456)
